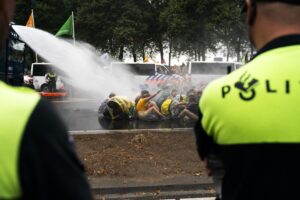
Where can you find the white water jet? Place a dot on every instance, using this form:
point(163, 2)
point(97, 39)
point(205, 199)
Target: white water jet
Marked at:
point(83, 66)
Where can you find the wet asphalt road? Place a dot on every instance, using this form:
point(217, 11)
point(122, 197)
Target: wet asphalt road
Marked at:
point(81, 114)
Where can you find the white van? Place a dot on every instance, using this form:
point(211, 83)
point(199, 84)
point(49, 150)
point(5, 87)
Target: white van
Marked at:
point(141, 71)
point(202, 72)
point(38, 72)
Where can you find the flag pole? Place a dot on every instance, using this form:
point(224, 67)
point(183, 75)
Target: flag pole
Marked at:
point(36, 57)
point(73, 27)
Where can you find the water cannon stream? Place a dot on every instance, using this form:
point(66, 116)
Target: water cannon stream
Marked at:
point(86, 69)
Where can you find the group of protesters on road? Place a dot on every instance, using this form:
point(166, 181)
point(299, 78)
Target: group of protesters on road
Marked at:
point(162, 105)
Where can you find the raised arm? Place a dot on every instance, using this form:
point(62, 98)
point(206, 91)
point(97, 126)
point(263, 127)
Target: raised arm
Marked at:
point(152, 96)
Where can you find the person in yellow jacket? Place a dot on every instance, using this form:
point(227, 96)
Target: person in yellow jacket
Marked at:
point(165, 107)
point(171, 108)
point(145, 107)
point(120, 107)
point(250, 118)
point(37, 156)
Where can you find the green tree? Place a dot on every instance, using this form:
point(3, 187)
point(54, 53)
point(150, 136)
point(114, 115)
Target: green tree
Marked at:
point(96, 21)
point(189, 27)
point(157, 26)
point(231, 29)
point(131, 29)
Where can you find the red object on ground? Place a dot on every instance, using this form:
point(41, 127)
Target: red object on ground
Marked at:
point(53, 94)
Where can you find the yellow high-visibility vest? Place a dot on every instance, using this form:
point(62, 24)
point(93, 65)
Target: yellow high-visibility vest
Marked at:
point(258, 103)
point(165, 107)
point(16, 105)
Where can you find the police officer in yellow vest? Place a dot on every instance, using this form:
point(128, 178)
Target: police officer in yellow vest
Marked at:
point(37, 159)
point(51, 78)
point(251, 118)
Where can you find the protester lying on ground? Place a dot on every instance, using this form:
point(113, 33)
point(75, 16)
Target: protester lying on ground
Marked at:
point(119, 107)
point(171, 108)
point(136, 100)
point(175, 95)
point(145, 109)
point(103, 105)
point(190, 112)
point(172, 105)
point(198, 95)
point(164, 94)
point(165, 107)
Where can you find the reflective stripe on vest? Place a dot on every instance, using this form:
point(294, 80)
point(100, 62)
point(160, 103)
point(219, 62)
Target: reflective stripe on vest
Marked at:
point(258, 103)
point(52, 75)
point(16, 106)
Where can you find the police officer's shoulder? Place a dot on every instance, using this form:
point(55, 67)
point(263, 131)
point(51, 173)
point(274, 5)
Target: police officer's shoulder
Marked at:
point(229, 77)
point(18, 94)
point(212, 90)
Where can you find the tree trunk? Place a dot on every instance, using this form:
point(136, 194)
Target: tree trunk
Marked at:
point(227, 57)
point(121, 53)
point(110, 46)
point(134, 54)
point(143, 53)
point(203, 54)
point(238, 50)
point(195, 54)
point(170, 53)
point(161, 51)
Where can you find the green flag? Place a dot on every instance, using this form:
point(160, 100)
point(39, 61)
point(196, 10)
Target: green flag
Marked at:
point(67, 28)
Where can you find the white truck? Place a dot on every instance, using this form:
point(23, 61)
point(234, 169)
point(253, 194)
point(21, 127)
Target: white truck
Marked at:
point(141, 69)
point(38, 72)
point(143, 73)
point(202, 72)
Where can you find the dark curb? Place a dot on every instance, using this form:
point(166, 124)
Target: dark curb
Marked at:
point(95, 132)
point(186, 186)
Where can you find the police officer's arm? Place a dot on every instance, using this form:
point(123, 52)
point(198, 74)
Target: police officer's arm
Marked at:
point(48, 165)
point(205, 144)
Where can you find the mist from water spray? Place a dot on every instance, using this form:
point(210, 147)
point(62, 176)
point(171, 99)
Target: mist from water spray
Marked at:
point(84, 68)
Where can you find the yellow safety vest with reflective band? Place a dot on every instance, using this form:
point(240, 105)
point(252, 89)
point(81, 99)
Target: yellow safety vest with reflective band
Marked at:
point(259, 103)
point(165, 107)
point(125, 104)
point(16, 106)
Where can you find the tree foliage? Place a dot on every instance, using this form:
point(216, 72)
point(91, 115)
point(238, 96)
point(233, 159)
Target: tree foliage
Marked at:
point(144, 27)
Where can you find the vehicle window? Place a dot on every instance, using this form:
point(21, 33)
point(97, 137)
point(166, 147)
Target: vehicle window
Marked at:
point(162, 69)
point(210, 68)
point(137, 69)
point(40, 70)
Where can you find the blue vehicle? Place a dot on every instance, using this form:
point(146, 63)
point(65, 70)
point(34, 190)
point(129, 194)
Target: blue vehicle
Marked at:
point(12, 60)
